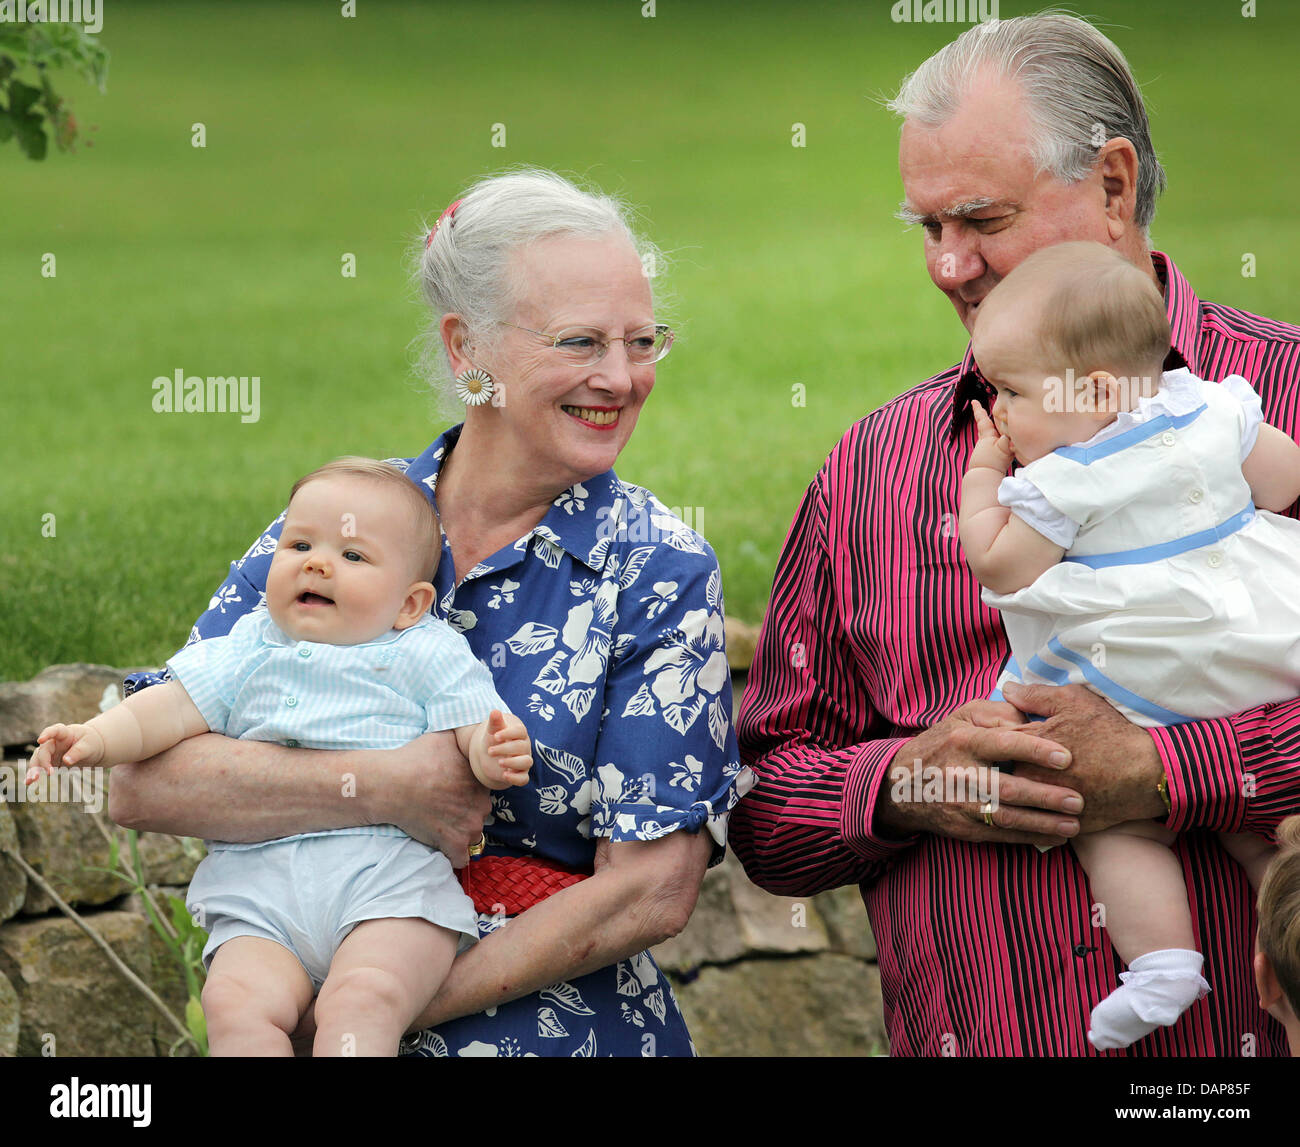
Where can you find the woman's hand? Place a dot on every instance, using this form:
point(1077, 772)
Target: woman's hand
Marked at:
point(642, 893)
point(429, 792)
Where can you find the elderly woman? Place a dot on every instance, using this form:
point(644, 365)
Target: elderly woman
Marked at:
point(599, 615)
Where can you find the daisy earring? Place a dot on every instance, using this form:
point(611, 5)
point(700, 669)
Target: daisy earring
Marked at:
point(474, 387)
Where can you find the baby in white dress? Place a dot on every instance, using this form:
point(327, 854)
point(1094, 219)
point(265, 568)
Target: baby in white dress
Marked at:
point(1134, 552)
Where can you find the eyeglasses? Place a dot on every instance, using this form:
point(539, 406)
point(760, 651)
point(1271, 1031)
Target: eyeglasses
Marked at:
point(585, 345)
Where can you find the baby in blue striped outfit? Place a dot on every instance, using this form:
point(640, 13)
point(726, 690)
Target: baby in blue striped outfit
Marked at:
point(344, 655)
point(1128, 554)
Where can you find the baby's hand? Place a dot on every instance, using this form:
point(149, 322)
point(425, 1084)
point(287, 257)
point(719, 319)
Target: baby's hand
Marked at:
point(65, 745)
point(509, 752)
point(993, 450)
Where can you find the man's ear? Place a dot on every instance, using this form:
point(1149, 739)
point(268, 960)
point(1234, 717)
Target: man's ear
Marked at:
point(1118, 163)
point(419, 599)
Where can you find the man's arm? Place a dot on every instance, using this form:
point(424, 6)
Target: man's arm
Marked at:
point(1232, 774)
point(823, 812)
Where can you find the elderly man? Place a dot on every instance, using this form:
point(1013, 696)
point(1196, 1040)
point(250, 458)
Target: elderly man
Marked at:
point(863, 709)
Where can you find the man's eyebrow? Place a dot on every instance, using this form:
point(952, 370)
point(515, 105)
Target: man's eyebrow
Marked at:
point(908, 214)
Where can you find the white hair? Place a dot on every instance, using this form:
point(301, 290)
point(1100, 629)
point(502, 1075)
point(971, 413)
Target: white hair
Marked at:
point(467, 268)
point(1078, 88)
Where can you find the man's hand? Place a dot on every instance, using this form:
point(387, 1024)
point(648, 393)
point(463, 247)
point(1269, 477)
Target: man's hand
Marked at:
point(959, 757)
point(1114, 763)
point(430, 794)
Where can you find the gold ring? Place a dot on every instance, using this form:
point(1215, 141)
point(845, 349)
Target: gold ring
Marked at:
point(477, 849)
point(986, 810)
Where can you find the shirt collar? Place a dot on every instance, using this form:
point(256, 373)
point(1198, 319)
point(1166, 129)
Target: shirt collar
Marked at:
point(577, 519)
point(274, 635)
point(1184, 311)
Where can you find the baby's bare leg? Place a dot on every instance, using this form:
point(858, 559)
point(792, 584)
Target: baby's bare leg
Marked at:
point(1139, 883)
point(381, 978)
point(1138, 880)
point(255, 994)
point(1252, 852)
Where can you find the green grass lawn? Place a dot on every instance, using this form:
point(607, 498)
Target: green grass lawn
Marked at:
point(328, 135)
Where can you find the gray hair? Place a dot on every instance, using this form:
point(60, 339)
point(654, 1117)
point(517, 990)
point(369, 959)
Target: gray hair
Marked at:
point(1078, 88)
point(466, 269)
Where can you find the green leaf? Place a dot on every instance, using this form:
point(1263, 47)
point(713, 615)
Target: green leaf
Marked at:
point(195, 1021)
point(26, 125)
point(21, 97)
point(181, 918)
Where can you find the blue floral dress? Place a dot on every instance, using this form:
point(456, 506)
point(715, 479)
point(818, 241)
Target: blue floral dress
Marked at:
point(603, 629)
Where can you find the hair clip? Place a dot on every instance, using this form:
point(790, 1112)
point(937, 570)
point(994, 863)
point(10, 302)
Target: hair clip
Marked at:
point(445, 215)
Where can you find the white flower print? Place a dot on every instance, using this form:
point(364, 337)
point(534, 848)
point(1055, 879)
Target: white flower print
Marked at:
point(663, 592)
point(687, 775)
point(655, 1002)
point(690, 670)
point(538, 706)
point(548, 1023)
point(505, 592)
point(575, 498)
point(264, 545)
point(226, 595)
point(586, 631)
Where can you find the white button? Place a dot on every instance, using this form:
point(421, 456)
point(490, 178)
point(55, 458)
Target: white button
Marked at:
point(1168, 438)
point(303, 651)
point(1196, 495)
point(291, 701)
point(1214, 561)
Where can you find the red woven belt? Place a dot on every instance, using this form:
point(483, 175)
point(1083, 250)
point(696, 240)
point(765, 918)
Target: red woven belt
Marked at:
point(506, 885)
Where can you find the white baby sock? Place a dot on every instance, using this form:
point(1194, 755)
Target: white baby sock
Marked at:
point(1154, 992)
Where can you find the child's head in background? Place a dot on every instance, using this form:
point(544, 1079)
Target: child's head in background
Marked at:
point(1277, 947)
point(358, 548)
point(1073, 335)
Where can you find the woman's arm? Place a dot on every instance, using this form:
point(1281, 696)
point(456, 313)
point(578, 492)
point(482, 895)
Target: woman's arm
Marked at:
point(223, 789)
point(642, 893)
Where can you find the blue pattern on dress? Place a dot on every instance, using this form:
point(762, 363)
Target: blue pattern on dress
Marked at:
point(603, 629)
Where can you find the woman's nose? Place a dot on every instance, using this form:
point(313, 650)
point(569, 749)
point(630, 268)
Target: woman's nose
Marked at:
point(614, 368)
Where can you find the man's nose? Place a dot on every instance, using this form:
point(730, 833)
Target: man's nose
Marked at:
point(957, 257)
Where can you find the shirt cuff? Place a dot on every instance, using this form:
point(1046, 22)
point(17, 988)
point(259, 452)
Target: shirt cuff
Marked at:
point(1207, 792)
point(862, 782)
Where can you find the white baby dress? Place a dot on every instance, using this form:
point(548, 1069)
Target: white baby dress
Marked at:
point(1176, 599)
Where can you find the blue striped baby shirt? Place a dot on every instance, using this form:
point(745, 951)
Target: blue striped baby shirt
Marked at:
point(258, 684)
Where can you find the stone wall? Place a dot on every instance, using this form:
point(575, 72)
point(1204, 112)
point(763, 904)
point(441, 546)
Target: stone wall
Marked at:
point(755, 974)
point(59, 994)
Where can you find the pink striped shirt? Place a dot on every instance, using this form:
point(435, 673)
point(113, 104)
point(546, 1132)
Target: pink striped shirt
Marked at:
point(875, 631)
